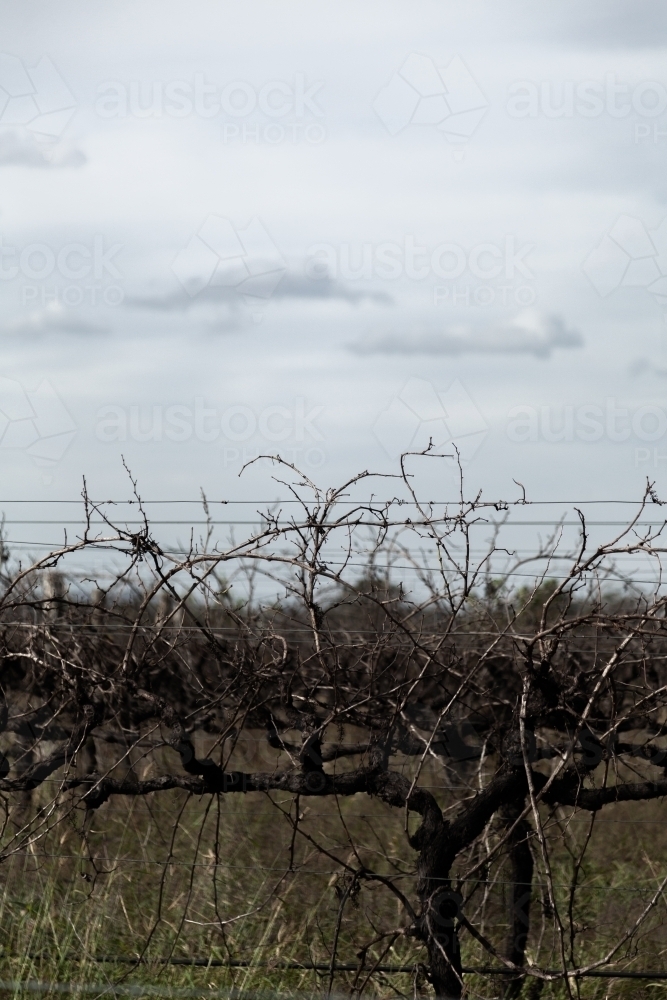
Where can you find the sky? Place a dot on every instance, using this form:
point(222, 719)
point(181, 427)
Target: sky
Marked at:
point(334, 232)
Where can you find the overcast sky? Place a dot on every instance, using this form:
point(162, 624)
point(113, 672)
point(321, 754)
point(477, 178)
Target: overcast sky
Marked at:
point(334, 231)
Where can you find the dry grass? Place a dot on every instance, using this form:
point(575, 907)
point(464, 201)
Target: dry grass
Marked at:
point(59, 911)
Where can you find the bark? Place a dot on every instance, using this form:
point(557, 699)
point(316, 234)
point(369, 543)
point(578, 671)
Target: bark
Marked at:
point(520, 891)
point(439, 904)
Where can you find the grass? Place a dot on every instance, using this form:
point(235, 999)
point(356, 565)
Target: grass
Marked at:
point(60, 912)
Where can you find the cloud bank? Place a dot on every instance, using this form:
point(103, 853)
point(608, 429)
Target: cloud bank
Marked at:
point(291, 286)
point(19, 150)
point(54, 318)
point(529, 333)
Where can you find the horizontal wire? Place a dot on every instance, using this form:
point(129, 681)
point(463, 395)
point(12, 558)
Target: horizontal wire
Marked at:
point(414, 568)
point(385, 567)
point(647, 886)
point(17, 986)
point(130, 989)
point(479, 523)
point(274, 631)
point(379, 559)
point(377, 502)
point(593, 574)
point(441, 787)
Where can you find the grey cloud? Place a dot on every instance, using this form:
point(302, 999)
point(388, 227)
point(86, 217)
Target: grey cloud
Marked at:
point(529, 333)
point(25, 151)
point(52, 319)
point(642, 366)
point(617, 24)
point(292, 285)
point(623, 24)
point(300, 287)
point(230, 322)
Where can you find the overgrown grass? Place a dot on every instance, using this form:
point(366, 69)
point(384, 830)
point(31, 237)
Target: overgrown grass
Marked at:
point(170, 870)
